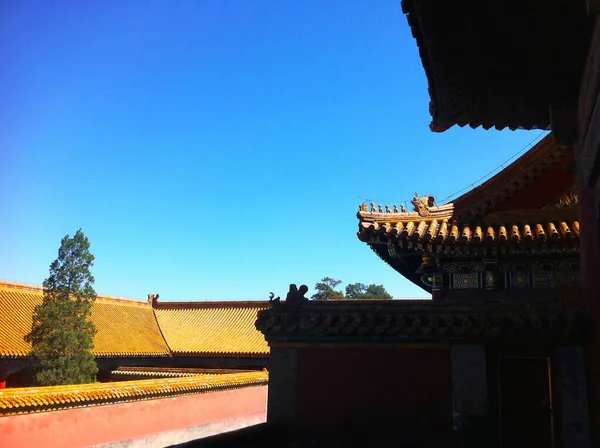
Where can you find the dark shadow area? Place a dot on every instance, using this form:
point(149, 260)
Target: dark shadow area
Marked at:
point(277, 435)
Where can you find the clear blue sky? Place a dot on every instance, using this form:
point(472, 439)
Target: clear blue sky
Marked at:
point(216, 149)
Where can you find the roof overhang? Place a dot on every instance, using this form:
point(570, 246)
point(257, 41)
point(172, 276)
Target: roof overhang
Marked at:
point(485, 221)
point(511, 64)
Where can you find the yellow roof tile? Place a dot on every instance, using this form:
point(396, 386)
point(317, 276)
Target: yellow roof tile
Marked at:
point(212, 328)
point(166, 372)
point(434, 232)
point(39, 399)
point(125, 327)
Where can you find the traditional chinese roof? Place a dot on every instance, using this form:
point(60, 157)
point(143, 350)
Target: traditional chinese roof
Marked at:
point(529, 206)
point(502, 64)
point(212, 328)
point(130, 328)
point(125, 327)
point(40, 399)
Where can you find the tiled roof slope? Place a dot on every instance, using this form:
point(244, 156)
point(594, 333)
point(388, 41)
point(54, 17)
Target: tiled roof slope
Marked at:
point(143, 372)
point(16, 308)
point(125, 327)
point(39, 399)
point(212, 328)
point(483, 74)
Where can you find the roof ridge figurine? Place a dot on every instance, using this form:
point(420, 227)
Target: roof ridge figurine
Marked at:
point(421, 205)
point(295, 296)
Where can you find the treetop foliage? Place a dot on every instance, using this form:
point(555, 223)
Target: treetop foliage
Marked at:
point(326, 290)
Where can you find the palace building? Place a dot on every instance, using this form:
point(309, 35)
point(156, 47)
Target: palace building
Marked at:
point(495, 357)
point(508, 351)
point(514, 236)
point(169, 372)
point(217, 335)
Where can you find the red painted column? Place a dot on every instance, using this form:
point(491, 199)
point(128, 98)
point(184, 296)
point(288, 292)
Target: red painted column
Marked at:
point(3, 369)
point(590, 285)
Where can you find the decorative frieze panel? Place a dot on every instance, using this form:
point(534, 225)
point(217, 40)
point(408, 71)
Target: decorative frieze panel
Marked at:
point(493, 280)
point(492, 275)
point(463, 268)
point(518, 279)
point(543, 279)
point(466, 281)
point(567, 279)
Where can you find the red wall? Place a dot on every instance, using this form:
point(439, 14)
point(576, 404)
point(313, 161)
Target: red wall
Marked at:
point(542, 191)
point(402, 393)
point(111, 423)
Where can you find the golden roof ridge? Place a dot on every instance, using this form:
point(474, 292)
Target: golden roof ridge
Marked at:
point(7, 284)
point(212, 304)
point(423, 208)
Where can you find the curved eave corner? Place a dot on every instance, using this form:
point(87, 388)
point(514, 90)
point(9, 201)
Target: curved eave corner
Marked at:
point(406, 264)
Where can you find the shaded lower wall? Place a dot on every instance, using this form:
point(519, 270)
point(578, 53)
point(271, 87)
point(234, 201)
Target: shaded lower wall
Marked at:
point(149, 423)
point(388, 393)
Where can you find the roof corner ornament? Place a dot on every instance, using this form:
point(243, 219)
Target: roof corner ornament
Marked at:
point(373, 208)
point(274, 301)
point(402, 209)
point(153, 300)
point(569, 200)
point(295, 297)
point(426, 259)
point(421, 205)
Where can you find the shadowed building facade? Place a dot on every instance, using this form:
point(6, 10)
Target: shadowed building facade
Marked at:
point(513, 272)
point(507, 352)
point(494, 359)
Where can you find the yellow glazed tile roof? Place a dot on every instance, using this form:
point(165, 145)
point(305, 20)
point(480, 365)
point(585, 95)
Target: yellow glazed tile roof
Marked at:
point(166, 372)
point(16, 308)
point(39, 399)
point(212, 328)
point(125, 327)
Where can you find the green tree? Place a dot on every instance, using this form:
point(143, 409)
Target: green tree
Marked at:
point(361, 291)
point(62, 336)
point(326, 289)
point(376, 292)
point(355, 290)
